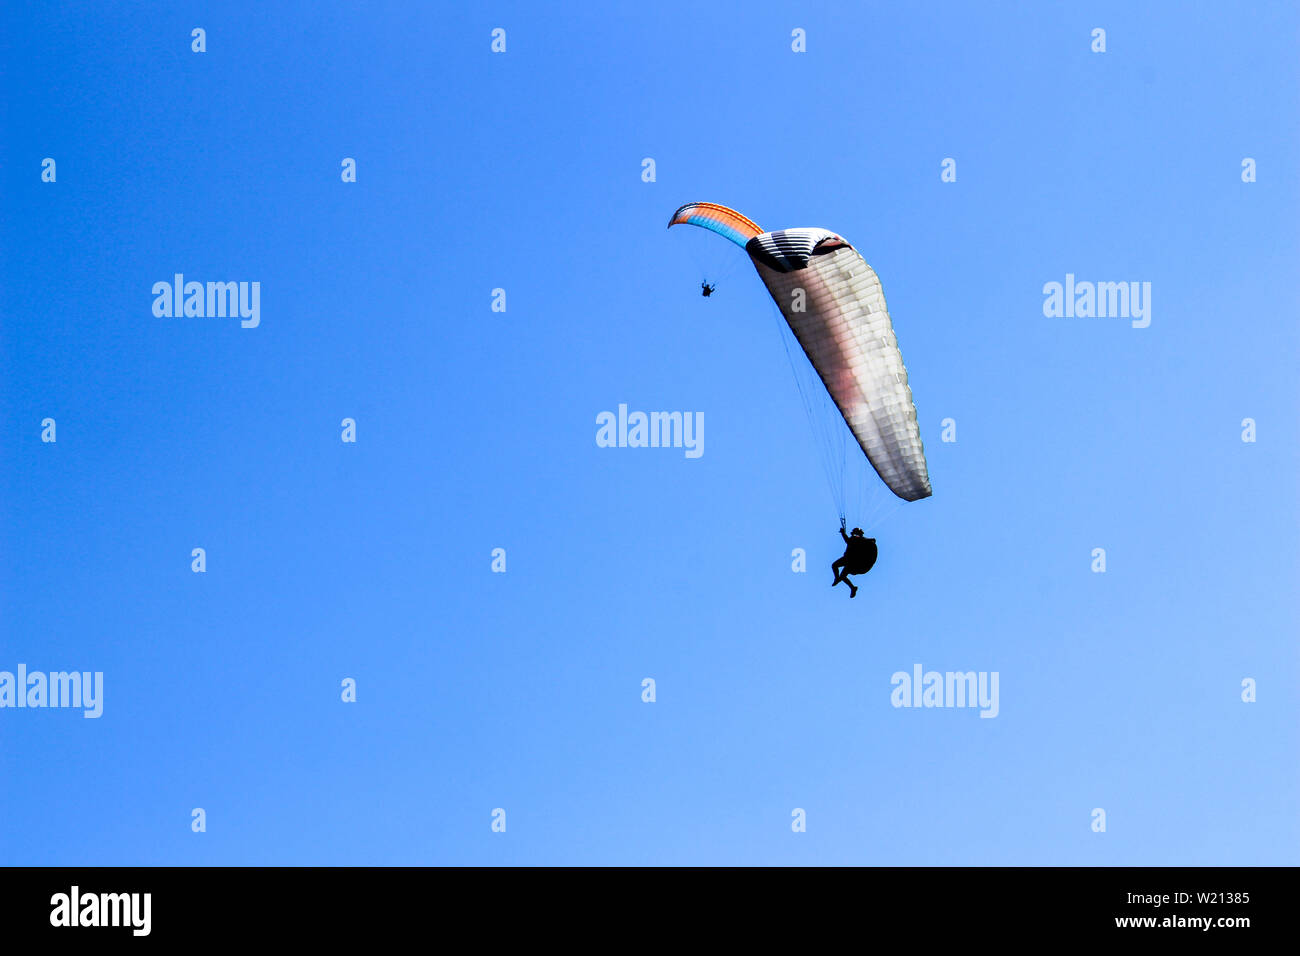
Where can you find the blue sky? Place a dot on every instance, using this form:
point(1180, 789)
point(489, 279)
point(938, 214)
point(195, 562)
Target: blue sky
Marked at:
point(476, 430)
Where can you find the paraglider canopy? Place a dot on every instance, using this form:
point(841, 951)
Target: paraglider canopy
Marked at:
point(833, 304)
point(725, 222)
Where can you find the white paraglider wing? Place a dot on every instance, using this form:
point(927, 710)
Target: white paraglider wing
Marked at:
point(833, 303)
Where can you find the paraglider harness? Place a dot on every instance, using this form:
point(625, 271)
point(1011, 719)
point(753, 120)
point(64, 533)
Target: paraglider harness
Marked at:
point(860, 552)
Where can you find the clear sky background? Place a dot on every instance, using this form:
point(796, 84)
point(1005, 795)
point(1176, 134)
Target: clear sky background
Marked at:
point(476, 430)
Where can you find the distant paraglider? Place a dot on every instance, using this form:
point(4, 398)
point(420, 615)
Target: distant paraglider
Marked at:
point(707, 289)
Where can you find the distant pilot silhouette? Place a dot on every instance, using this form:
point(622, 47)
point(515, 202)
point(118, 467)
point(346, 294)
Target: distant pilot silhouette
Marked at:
point(859, 558)
point(706, 289)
